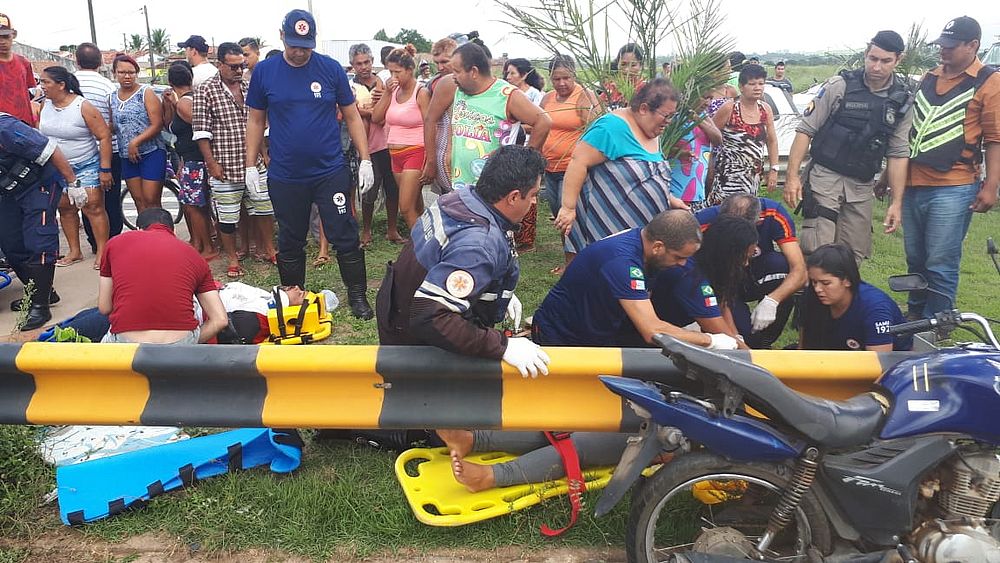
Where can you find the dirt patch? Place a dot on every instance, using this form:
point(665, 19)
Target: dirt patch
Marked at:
point(69, 545)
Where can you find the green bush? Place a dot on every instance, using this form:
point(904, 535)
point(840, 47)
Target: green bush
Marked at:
point(24, 478)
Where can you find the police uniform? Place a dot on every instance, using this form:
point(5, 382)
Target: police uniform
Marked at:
point(31, 187)
point(852, 130)
point(453, 279)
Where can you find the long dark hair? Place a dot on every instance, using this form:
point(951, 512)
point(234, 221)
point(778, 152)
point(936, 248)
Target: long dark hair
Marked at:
point(722, 257)
point(529, 73)
point(59, 74)
point(838, 261)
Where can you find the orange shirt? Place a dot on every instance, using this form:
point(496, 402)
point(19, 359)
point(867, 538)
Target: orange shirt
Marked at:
point(567, 128)
point(982, 121)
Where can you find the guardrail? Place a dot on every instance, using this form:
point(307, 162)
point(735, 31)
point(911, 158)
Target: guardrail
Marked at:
point(359, 386)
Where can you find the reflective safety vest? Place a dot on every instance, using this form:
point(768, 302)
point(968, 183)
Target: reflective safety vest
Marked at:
point(854, 139)
point(937, 138)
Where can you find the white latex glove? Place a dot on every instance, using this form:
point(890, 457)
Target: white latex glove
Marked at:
point(77, 196)
point(723, 342)
point(764, 314)
point(252, 179)
point(366, 176)
point(526, 356)
point(514, 310)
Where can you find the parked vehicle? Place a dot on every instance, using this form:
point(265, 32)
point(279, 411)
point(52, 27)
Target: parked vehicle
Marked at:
point(910, 469)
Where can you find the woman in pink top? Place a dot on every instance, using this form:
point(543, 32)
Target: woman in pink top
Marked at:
point(402, 111)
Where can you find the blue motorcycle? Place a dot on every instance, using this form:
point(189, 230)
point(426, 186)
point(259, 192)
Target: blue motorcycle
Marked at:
point(909, 471)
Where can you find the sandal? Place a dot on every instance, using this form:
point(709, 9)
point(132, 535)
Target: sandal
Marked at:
point(557, 271)
point(234, 272)
point(63, 262)
point(321, 261)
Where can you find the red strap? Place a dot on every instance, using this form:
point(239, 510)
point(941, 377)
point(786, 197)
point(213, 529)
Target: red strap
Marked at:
point(574, 478)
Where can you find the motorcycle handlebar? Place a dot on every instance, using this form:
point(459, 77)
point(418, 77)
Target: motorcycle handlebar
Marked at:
point(912, 326)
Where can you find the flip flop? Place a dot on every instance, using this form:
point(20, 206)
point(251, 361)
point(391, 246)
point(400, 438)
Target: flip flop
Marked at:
point(234, 272)
point(62, 262)
point(321, 261)
point(399, 240)
point(557, 271)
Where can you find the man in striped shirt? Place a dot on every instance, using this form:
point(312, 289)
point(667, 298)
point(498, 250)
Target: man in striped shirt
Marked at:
point(97, 90)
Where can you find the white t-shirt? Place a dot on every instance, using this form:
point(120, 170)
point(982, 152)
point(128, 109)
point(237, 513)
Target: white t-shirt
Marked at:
point(202, 72)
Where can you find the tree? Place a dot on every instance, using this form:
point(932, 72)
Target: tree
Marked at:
point(414, 38)
point(381, 35)
point(67, 48)
point(161, 41)
point(135, 43)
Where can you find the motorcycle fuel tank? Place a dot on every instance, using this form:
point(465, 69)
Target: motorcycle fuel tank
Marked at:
point(952, 391)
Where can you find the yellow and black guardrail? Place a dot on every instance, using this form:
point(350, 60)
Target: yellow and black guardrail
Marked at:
point(360, 386)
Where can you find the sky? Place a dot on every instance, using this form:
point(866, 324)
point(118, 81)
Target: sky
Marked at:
point(769, 25)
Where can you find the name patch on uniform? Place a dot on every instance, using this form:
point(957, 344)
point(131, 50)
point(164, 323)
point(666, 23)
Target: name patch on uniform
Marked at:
point(636, 273)
point(460, 284)
point(638, 285)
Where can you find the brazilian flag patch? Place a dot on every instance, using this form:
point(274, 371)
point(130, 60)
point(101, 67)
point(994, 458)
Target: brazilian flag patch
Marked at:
point(707, 290)
point(636, 273)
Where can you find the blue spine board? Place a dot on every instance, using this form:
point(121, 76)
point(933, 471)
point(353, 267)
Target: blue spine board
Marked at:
point(739, 438)
point(951, 391)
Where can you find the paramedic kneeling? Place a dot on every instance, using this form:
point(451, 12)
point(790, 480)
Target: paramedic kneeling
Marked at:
point(455, 278)
point(149, 280)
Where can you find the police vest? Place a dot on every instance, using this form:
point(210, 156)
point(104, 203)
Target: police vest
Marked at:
point(854, 140)
point(937, 138)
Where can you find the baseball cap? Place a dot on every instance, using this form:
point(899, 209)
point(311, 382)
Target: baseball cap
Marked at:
point(959, 30)
point(5, 27)
point(196, 42)
point(889, 40)
point(300, 29)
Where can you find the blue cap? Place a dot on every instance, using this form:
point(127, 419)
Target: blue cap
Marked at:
point(300, 29)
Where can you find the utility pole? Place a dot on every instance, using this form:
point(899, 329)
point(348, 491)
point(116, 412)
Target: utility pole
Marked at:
point(93, 28)
point(124, 43)
point(149, 47)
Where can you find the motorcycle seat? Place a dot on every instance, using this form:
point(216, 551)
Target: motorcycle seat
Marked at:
point(831, 424)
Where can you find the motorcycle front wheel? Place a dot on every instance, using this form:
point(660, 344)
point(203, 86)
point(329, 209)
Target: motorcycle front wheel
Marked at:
point(706, 503)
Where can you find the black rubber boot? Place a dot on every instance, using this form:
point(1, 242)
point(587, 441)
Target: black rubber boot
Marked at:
point(292, 271)
point(38, 313)
point(22, 274)
point(355, 276)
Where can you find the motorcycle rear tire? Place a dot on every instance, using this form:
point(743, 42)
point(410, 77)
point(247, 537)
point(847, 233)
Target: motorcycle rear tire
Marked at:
point(652, 495)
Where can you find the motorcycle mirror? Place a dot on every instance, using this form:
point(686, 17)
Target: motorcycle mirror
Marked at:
point(907, 282)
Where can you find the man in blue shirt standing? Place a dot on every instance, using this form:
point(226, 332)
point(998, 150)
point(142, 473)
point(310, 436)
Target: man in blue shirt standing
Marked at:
point(298, 95)
point(604, 288)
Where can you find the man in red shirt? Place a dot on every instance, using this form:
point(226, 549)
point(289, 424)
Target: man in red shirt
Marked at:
point(149, 280)
point(16, 76)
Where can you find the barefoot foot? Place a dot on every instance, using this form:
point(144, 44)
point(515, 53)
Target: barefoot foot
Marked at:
point(473, 476)
point(458, 441)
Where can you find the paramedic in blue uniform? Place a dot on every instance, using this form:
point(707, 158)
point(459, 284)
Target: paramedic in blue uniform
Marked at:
point(776, 273)
point(841, 312)
point(33, 173)
point(455, 279)
point(603, 291)
point(298, 95)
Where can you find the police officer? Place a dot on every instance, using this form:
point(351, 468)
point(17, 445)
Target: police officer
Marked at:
point(455, 278)
point(298, 95)
point(854, 122)
point(33, 173)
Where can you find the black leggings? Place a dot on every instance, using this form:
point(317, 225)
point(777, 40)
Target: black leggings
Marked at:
point(538, 461)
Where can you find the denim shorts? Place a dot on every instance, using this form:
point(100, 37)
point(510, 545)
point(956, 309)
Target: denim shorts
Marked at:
point(88, 172)
point(151, 166)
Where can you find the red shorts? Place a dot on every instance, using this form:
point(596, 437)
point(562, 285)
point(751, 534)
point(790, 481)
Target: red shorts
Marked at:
point(407, 158)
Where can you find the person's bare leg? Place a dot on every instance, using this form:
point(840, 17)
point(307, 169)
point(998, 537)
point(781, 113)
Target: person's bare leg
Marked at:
point(229, 249)
point(264, 227)
point(152, 193)
point(458, 441)
point(367, 211)
point(98, 218)
point(324, 248)
point(134, 186)
point(69, 219)
point(200, 235)
point(243, 232)
point(411, 202)
point(473, 476)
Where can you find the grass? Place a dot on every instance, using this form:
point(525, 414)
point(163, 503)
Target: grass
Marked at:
point(344, 500)
point(804, 76)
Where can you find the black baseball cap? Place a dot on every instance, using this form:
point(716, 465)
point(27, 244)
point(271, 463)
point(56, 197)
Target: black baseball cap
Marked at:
point(959, 30)
point(889, 40)
point(5, 27)
point(196, 42)
point(300, 29)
